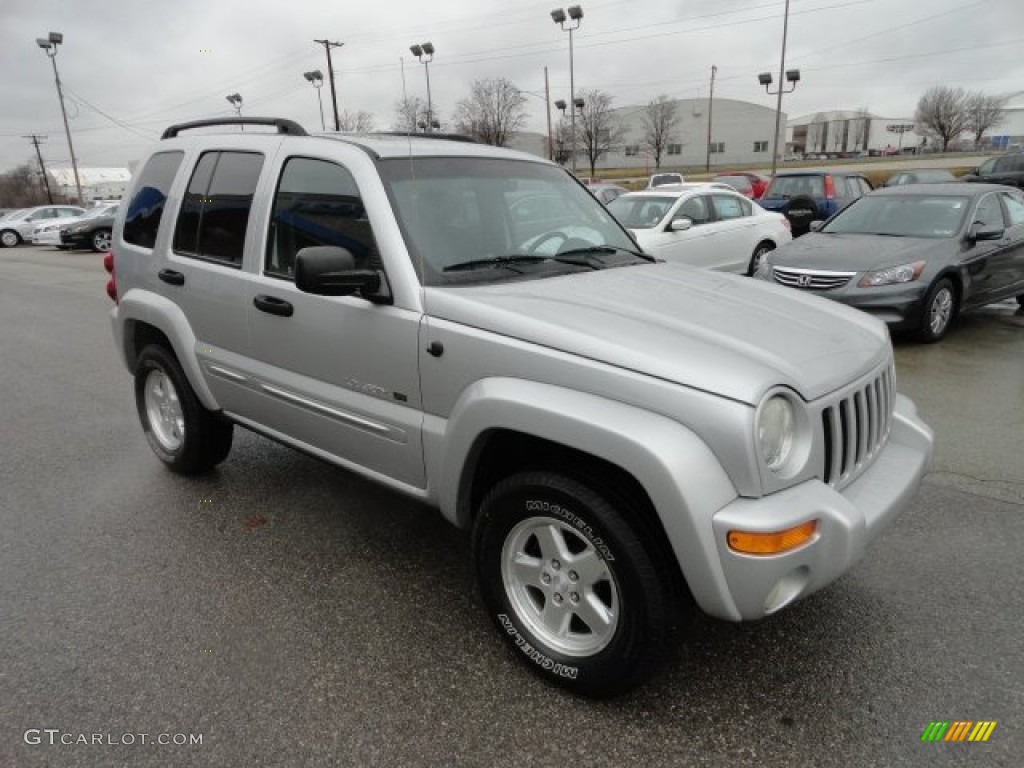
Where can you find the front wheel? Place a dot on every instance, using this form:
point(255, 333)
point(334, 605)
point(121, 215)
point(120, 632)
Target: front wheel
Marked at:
point(9, 238)
point(571, 587)
point(938, 312)
point(183, 434)
point(101, 240)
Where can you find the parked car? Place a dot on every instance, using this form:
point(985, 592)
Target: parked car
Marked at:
point(920, 176)
point(17, 227)
point(1005, 169)
point(625, 438)
point(703, 225)
point(49, 231)
point(748, 183)
point(806, 196)
point(606, 192)
point(661, 179)
point(914, 256)
point(91, 231)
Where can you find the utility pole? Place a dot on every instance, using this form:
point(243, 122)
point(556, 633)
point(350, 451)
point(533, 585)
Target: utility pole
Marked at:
point(711, 103)
point(35, 139)
point(330, 73)
point(547, 105)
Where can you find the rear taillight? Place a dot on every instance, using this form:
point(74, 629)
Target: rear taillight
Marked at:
point(830, 188)
point(108, 264)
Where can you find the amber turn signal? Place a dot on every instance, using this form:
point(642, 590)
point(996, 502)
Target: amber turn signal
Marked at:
point(772, 543)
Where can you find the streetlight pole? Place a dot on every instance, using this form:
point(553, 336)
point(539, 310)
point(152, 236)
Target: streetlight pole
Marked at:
point(316, 78)
point(425, 53)
point(575, 13)
point(792, 76)
point(711, 103)
point(327, 44)
point(49, 45)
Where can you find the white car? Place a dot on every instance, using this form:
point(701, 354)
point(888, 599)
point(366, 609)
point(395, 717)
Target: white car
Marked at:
point(18, 226)
point(663, 179)
point(48, 233)
point(703, 225)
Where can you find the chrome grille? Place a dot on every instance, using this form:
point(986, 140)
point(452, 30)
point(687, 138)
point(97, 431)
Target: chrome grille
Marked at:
point(856, 427)
point(808, 278)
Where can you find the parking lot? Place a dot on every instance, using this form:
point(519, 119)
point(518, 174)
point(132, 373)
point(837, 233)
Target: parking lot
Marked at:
point(291, 613)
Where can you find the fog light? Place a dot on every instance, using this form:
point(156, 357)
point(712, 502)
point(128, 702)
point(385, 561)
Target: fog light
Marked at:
point(773, 542)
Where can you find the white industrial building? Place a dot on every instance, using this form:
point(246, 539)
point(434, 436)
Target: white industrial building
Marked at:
point(97, 183)
point(850, 131)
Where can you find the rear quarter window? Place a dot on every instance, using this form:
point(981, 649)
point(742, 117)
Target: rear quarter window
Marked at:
point(142, 221)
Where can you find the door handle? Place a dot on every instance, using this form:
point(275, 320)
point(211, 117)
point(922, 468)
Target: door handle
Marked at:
point(171, 277)
point(273, 305)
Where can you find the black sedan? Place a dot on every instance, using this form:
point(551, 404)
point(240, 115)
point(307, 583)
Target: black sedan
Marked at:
point(91, 231)
point(914, 256)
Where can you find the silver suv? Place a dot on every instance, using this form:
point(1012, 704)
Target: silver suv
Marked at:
point(627, 440)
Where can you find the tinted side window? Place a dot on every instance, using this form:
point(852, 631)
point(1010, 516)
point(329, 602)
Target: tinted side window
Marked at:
point(215, 212)
point(695, 209)
point(318, 203)
point(147, 205)
point(1014, 207)
point(727, 207)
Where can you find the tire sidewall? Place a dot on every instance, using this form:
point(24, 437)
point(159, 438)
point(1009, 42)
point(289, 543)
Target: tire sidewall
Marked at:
point(5, 235)
point(926, 333)
point(95, 236)
point(762, 250)
point(625, 659)
point(156, 359)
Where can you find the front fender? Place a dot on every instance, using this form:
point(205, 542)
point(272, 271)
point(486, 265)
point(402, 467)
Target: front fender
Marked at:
point(682, 477)
point(138, 306)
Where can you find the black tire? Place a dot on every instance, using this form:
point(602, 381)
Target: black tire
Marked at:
point(9, 238)
point(758, 255)
point(620, 581)
point(191, 439)
point(100, 240)
point(937, 311)
point(800, 211)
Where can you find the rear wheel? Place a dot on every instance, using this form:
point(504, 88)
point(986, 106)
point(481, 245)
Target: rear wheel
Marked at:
point(183, 434)
point(938, 312)
point(571, 586)
point(101, 240)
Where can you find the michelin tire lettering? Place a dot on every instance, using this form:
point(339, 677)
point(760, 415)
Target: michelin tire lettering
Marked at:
point(544, 662)
point(580, 525)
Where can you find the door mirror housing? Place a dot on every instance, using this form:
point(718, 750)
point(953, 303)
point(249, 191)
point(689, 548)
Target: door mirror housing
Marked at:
point(327, 270)
point(680, 225)
point(979, 232)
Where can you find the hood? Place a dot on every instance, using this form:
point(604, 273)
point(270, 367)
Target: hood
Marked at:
point(858, 253)
point(721, 333)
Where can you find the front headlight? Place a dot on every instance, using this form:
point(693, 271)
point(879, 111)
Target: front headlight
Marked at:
point(776, 431)
point(904, 273)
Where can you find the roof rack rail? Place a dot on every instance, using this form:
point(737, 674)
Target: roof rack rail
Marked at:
point(289, 127)
point(433, 135)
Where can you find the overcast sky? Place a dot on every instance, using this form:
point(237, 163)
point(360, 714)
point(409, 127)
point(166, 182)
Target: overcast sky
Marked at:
point(132, 67)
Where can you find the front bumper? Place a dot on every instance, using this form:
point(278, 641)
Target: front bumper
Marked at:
point(848, 521)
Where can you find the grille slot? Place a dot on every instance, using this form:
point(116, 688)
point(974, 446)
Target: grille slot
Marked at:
point(812, 279)
point(855, 427)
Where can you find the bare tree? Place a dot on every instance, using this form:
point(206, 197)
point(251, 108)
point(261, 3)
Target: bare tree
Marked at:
point(942, 112)
point(492, 112)
point(410, 114)
point(659, 121)
point(983, 112)
point(356, 122)
point(21, 187)
point(598, 131)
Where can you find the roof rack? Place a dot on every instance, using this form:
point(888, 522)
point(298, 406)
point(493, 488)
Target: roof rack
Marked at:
point(433, 135)
point(289, 127)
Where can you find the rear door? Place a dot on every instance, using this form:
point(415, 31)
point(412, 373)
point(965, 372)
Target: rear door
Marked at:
point(989, 262)
point(1010, 281)
point(732, 236)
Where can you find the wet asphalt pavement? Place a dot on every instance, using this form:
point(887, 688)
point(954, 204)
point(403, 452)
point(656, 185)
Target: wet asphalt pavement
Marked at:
point(292, 614)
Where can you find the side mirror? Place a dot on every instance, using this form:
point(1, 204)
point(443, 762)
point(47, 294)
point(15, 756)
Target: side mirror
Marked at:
point(680, 225)
point(816, 225)
point(328, 270)
point(976, 232)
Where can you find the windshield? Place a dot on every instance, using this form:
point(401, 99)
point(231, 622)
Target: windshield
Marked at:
point(640, 211)
point(796, 186)
point(458, 211)
point(661, 179)
point(901, 216)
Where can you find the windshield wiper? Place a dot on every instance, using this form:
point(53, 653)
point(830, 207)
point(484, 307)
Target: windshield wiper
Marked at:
point(600, 249)
point(496, 261)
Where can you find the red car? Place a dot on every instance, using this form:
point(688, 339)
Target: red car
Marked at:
point(748, 183)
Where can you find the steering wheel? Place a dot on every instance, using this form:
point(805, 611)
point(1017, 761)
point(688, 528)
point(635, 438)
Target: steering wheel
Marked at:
point(549, 236)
